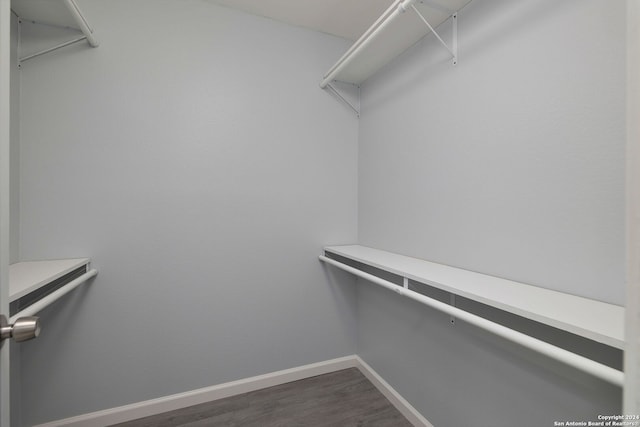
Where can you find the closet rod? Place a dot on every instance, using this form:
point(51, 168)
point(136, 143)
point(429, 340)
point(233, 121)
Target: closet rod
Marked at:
point(398, 8)
point(582, 363)
point(54, 296)
point(82, 22)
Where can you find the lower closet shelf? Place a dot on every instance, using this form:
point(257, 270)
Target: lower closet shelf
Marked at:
point(35, 284)
point(595, 320)
point(571, 313)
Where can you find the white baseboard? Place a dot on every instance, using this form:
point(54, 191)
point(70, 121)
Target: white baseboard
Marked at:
point(405, 408)
point(182, 400)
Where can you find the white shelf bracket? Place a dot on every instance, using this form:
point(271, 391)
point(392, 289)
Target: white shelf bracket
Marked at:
point(452, 50)
point(51, 49)
point(343, 99)
point(81, 22)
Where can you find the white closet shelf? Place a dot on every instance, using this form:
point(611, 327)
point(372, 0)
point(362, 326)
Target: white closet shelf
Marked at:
point(397, 29)
point(595, 320)
point(57, 13)
point(36, 284)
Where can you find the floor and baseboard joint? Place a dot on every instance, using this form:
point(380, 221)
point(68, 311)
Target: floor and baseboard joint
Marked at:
point(157, 406)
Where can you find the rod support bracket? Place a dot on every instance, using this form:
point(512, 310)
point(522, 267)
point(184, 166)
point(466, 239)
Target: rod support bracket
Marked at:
point(453, 51)
point(333, 90)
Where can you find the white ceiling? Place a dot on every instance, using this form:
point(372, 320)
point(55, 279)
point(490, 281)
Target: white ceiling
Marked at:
point(343, 18)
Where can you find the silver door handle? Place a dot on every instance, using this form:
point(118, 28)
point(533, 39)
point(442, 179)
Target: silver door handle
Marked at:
point(24, 329)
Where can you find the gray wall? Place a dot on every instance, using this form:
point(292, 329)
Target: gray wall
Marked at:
point(194, 158)
point(511, 164)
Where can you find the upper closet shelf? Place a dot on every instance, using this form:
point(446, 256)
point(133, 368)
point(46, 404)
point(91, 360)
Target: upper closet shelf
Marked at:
point(596, 320)
point(56, 13)
point(400, 26)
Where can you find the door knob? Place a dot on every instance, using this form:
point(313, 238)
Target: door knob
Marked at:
point(24, 329)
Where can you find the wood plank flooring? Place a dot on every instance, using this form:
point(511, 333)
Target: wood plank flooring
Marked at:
point(338, 399)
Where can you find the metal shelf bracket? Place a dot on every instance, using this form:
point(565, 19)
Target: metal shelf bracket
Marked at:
point(51, 49)
point(335, 91)
point(453, 50)
point(81, 22)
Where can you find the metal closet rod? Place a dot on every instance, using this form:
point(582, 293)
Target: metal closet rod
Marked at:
point(54, 296)
point(582, 363)
point(82, 22)
point(389, 16)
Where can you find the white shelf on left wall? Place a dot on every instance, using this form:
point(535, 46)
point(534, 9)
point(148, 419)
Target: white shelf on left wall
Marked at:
point(61, 14)
point(35, 284)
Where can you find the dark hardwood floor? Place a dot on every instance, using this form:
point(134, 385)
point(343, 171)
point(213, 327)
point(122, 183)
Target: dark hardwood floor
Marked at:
point(339, 399)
